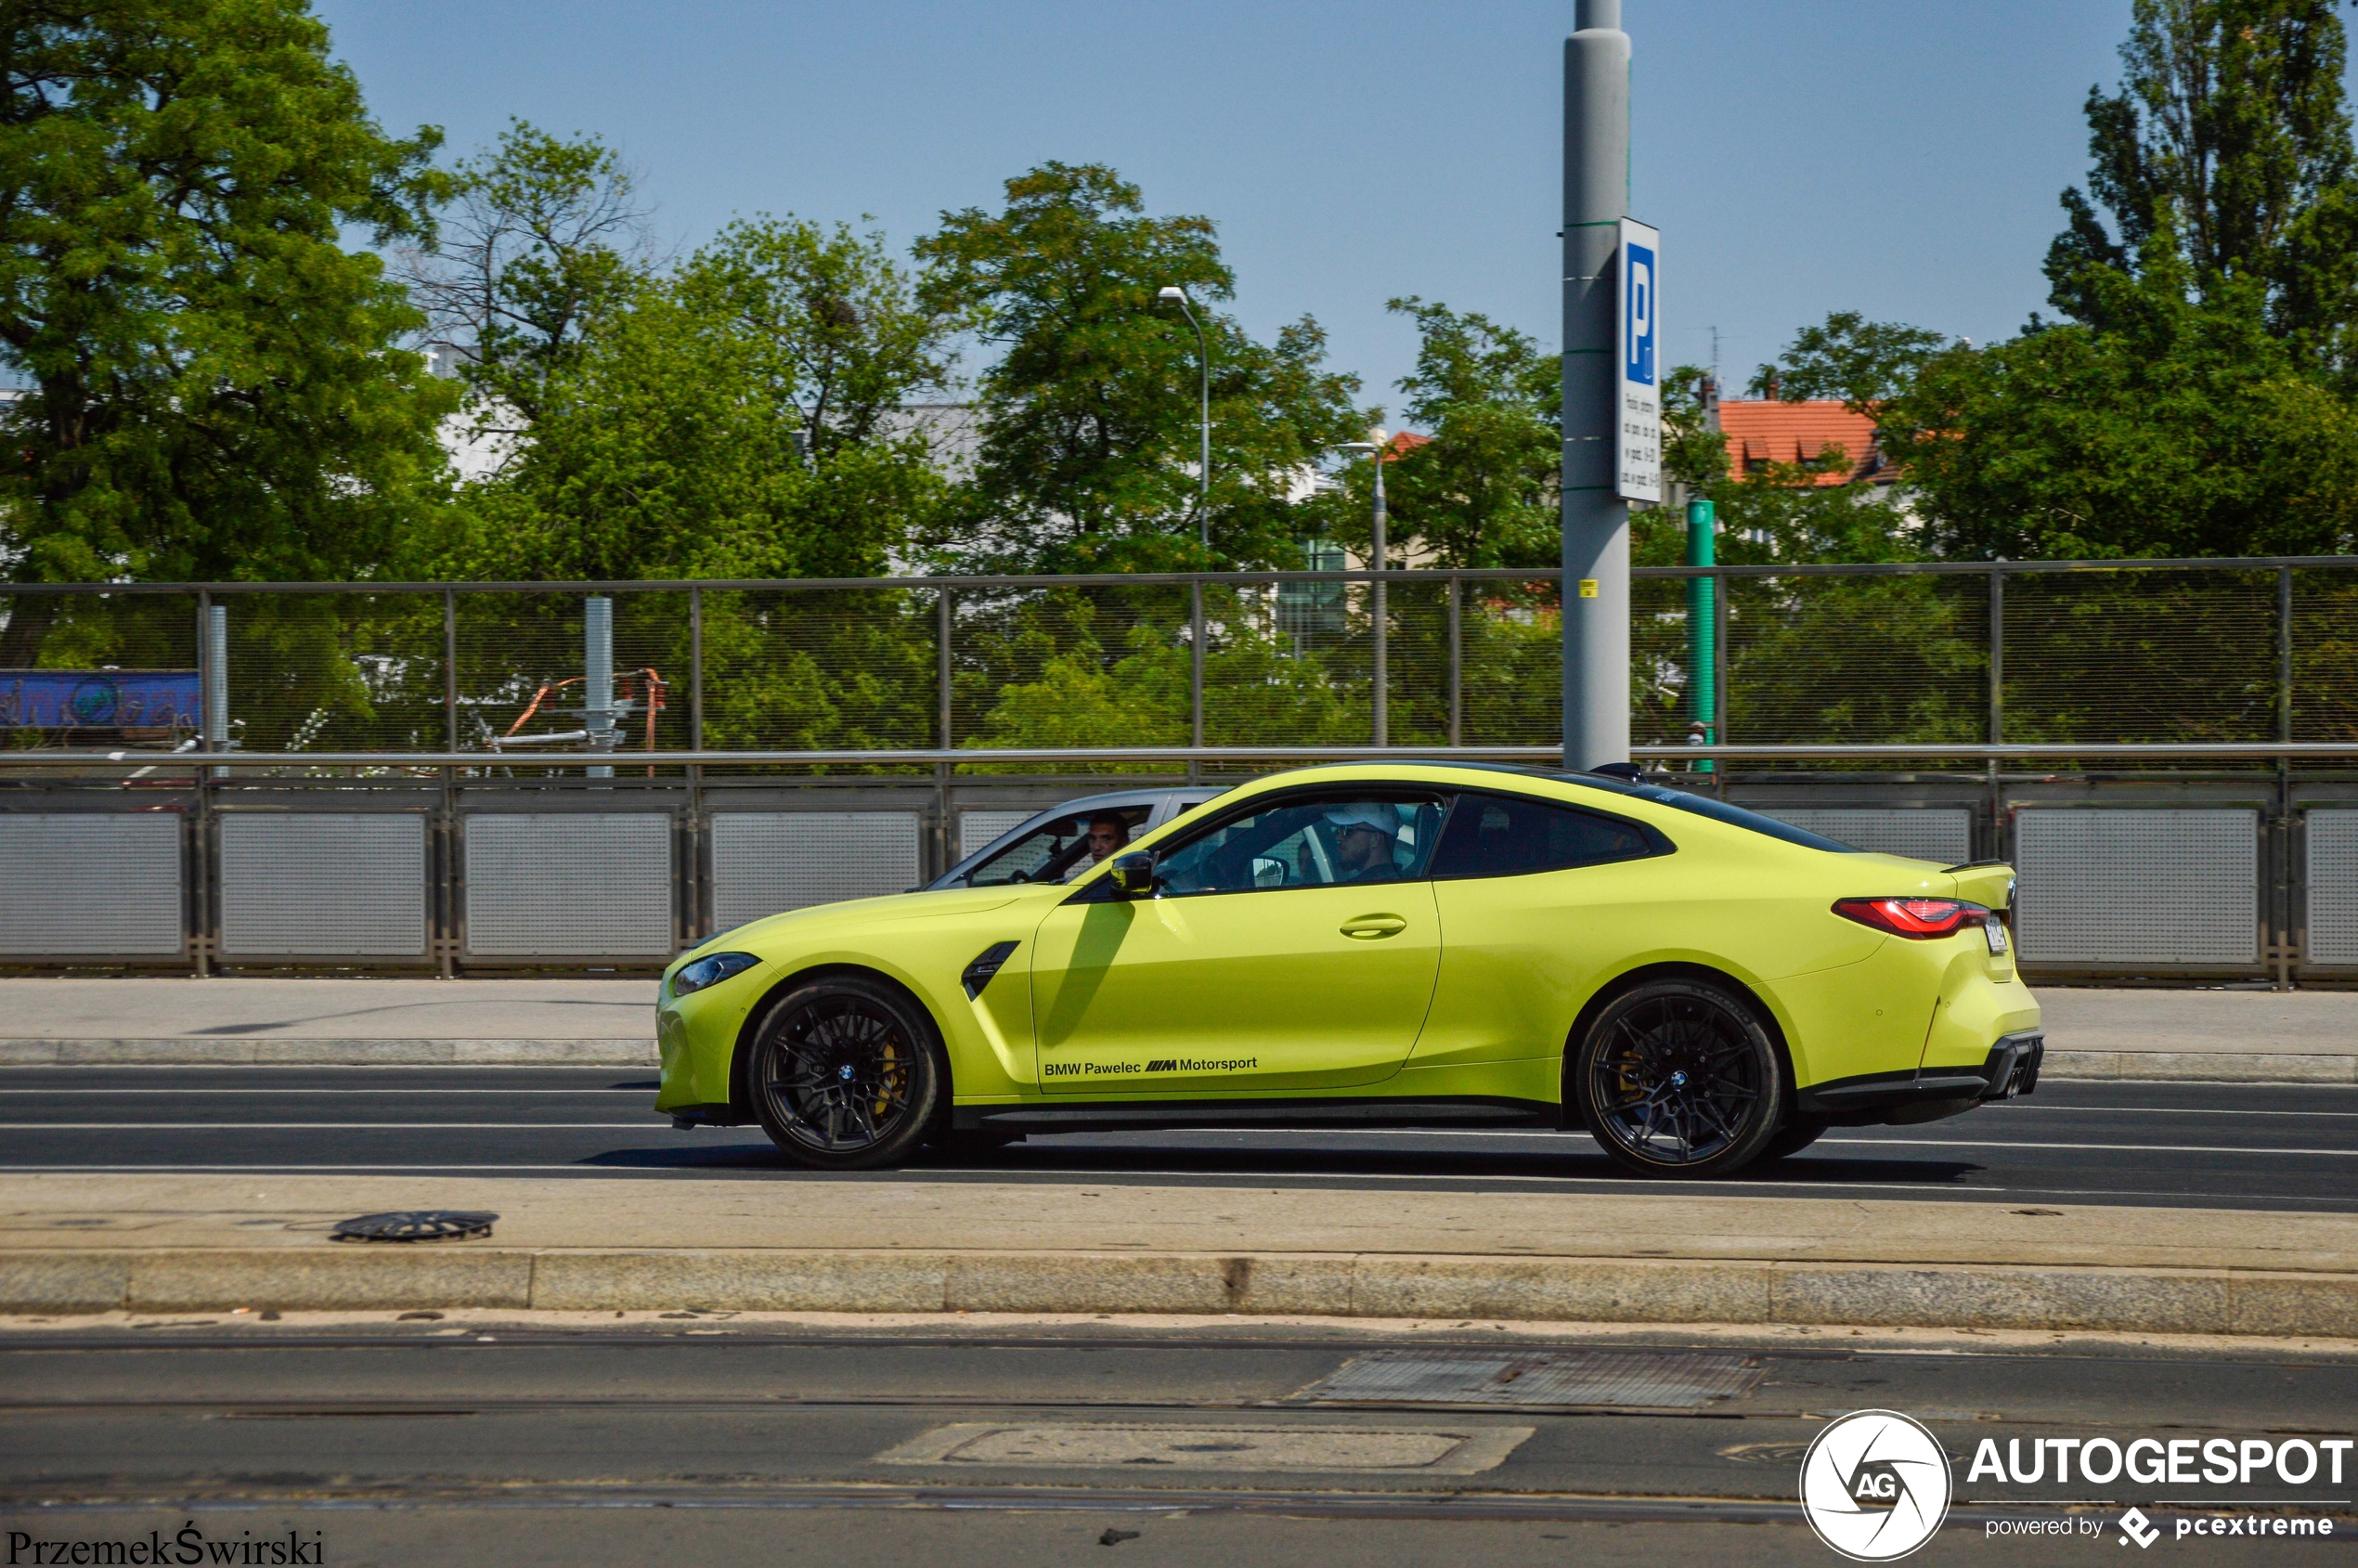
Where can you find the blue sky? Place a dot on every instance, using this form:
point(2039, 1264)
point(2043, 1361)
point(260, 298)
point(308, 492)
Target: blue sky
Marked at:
point(1898, 159)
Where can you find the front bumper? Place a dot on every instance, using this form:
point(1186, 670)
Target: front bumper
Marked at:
point(1898, 1098)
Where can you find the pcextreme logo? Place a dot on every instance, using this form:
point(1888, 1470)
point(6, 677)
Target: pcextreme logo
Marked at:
point(1874, 1485)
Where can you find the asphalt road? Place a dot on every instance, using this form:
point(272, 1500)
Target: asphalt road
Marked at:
point(433, 1442)
point(2200, 1145)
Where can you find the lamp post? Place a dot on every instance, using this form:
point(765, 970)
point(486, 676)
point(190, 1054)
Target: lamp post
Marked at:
point(1178, 296)
point(1379, 613)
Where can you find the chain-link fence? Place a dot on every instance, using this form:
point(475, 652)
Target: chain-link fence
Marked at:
point(2160, 653)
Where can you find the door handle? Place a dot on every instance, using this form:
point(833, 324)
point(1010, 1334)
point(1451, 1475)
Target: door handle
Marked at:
point(1367, 928)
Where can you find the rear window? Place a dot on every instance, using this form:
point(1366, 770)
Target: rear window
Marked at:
point(1720, 811)
point(1508, 836)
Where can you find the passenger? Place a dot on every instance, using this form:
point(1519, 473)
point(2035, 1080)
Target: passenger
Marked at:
point(1109, 834)
point(1364, 839)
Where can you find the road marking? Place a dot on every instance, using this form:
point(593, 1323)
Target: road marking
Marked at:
point(2111, 1148)
point(646, 1124)
point(298, 1093)
point(1832, 1188)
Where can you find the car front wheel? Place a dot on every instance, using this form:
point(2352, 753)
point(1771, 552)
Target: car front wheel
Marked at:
point(1677, 1078)
point(846, 1074)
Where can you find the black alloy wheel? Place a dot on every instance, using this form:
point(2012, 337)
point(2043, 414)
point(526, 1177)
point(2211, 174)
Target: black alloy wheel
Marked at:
point(847, 1074)
point(1677, 1078)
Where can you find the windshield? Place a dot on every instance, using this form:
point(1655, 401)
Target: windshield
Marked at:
point(1061, 848)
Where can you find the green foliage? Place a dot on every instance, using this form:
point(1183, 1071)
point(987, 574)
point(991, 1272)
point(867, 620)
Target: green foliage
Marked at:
point(541, 237)
point(213, 385)
point(1849, 359)
point(1090, 412)
point(734, 420)
point(2180, 428)
point(2229, 147)
point(1482, 491)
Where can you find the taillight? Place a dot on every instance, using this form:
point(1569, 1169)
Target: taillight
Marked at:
point(1920, 919)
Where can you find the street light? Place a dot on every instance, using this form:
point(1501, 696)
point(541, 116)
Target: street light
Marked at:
point(1381, 609)
point(1176, 296)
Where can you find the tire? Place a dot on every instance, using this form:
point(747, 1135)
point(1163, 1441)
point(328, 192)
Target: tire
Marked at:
point(847, 1074)
point(1798, 1133)
point(1677, 1078)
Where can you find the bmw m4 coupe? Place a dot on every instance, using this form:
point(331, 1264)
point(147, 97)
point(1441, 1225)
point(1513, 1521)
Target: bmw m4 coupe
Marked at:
point(1409, 944)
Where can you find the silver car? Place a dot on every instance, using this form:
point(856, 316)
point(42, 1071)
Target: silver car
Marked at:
point(1054, 845)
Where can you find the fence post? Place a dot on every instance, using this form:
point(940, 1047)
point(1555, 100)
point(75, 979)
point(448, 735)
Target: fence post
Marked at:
point(1723, 694)
point(695, 670)
point(1997, 705)
point(200, 903)
point(450, 669)
point(1195, 677)
point(943, 842)
point(1997, 656)
point(1457, 662)
point(2284, 835)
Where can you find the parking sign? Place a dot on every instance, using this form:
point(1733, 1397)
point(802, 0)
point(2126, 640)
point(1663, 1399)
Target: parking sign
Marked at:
point(1638, 268)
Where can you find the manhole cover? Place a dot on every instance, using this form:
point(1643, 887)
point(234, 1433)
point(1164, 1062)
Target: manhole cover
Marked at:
point(1622, 1380)
point(1077, 1445)
point(416, 1224)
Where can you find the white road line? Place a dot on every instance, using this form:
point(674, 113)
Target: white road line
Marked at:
point(647, 1124)
point(1833, 1190)
point(293, 1092)
point(651, 1123)
point(2111, 1148)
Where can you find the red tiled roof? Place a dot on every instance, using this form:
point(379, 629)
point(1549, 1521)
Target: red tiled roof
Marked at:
point(1759, 433)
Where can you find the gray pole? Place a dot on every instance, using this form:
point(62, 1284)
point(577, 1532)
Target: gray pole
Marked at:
point(1178, 296)
point(1596, 521)
point(1382, 617)
point(596, 685)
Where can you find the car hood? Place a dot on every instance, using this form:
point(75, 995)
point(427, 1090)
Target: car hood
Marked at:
point(868, 911)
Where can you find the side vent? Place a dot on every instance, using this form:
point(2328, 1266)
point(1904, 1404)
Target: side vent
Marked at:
point(987, 964)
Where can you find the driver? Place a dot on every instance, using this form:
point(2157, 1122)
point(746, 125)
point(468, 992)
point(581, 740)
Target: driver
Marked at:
point(1364, 838)
point(1108, 836)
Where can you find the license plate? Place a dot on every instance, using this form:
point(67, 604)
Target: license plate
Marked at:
point(1997, 936)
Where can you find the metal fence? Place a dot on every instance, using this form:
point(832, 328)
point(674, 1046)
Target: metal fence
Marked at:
point(2168, 750)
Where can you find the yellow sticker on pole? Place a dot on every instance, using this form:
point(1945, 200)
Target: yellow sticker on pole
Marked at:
point(1588, 587)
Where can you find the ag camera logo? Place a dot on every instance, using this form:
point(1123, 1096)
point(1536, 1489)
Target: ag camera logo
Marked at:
point(1874, 1485)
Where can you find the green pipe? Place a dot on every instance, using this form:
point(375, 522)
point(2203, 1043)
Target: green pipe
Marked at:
point(1702, 627)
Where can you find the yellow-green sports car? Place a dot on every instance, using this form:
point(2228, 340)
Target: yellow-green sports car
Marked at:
point(1406, 944)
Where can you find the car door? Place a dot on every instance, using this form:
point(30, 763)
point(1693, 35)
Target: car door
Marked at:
point(1538, 896)
point(1281, 950)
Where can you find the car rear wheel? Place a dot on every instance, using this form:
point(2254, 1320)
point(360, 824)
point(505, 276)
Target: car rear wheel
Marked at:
point(846, 1074)
point(1677, 1078)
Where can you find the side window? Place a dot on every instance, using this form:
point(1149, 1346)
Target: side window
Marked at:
point(1507, 834)
point(1060, 850)
point(1307, 842)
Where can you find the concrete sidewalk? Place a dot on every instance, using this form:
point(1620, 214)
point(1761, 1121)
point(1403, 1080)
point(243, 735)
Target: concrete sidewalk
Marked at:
point(2233, 1036)
point(76, 1244)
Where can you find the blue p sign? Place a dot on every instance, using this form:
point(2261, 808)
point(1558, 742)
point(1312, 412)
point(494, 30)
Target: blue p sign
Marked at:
point(1638, 312)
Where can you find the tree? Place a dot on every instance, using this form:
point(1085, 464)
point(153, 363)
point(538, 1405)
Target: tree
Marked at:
point(2180, 428)
point(540, 236)
point(213, 385)
point(1089, 439)
point(2229, 142)
point(1849, 359)
point(736, 418)
point(1484, 491)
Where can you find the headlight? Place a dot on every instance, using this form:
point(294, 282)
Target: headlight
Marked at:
point(710, 971)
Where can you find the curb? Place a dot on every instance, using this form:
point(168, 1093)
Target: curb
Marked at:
point(2161, 1067)
point(1324, 1285)
point(2209, 1067)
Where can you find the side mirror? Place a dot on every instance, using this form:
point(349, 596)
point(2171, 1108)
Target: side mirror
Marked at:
point(1133, 875)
